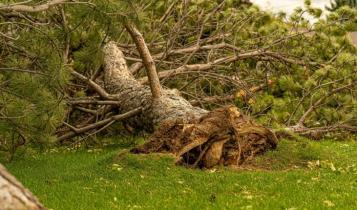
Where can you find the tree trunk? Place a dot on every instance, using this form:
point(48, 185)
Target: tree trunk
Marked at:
point(131, 94)
point(14, 196)
point(197, 137)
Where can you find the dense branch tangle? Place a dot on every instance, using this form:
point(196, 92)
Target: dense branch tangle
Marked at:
point(23, 7)
point(214, 55)
point(186, 57)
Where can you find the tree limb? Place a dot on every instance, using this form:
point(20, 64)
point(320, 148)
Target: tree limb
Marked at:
point(93, 85)
point(205, 66)
point(319, 102)
point(148, 61)
point(26, 8)
point(94, 102)
point(98, 124)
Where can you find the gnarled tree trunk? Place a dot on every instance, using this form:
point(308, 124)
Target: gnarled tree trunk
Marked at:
point(14, 196)
point(197, 137)
point(131, 94)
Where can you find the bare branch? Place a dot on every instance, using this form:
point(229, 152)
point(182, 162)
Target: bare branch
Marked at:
point(222, 99)
point(147, 59)
point(205, 66)
point(319, 102)
point(94, 85)
point(317, 132)
point(94, 102)
point(27, 8)
point(78, 131)
point(23, 70)
point(134, 68)
point(94, 112)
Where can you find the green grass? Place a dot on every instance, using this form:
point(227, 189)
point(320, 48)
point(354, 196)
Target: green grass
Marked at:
point(298, 175)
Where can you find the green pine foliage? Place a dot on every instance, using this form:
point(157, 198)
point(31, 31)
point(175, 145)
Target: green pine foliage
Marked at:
point(296, 87)
point(34, 77)
point(33, 103)
point(340, 3)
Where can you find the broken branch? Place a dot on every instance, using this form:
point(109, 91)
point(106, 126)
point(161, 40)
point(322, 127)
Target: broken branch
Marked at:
point(147, 59)
point(77, 131)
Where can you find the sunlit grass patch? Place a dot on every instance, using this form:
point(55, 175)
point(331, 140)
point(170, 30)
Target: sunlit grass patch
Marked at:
point(299, 174)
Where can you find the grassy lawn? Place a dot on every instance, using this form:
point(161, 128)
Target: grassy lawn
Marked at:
point(298, 175)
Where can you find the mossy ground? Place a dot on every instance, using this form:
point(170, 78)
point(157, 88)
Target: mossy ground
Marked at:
point(300, 174)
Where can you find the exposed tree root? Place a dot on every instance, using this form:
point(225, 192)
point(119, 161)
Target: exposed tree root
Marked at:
point(222, 137)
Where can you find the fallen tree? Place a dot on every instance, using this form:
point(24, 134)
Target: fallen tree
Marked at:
point(214, 53)
point(200, 45)
point(197, 137)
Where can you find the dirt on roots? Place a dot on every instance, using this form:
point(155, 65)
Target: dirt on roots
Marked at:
point(224, 136)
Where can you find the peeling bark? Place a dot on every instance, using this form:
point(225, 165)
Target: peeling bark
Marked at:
point(14, 196)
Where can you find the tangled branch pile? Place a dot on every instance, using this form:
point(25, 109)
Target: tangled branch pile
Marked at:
point(282, 71)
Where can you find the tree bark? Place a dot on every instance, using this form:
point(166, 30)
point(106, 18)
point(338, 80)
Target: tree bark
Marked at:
point(14, 196)
point(131, 94)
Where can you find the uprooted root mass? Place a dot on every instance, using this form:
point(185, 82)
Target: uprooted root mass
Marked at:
point(222, 137)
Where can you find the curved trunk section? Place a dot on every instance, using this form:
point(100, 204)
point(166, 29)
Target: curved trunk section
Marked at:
point(131, 94)
point(14, 196)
